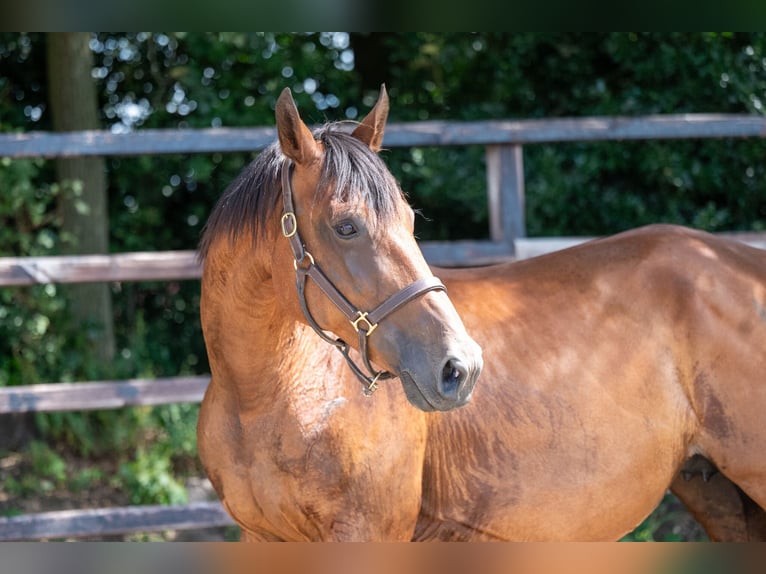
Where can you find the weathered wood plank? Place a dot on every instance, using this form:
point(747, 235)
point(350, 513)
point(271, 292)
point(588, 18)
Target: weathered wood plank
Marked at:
point(466, 252)
point(520, 132)
point(752, 238)
point(141, 142)
point(108, 521)
point(427, 133)
point(102, 394)
point(527, 247)
point(139, 266)
point(180, 265)
point(505, 192)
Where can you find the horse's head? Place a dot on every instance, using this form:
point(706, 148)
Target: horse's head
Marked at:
point(360, 274)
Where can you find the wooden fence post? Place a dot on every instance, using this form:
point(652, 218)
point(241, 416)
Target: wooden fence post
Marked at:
point(505, 194)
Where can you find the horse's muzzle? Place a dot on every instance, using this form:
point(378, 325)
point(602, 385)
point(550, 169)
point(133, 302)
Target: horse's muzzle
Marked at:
point(450, 388)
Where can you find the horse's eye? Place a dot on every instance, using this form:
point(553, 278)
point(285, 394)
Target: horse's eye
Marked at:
point(345, 229)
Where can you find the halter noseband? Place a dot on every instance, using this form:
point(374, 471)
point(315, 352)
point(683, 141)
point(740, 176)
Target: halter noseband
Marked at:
point(364, 323)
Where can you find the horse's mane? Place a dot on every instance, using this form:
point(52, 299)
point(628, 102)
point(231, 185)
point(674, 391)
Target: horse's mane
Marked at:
point(349, 170)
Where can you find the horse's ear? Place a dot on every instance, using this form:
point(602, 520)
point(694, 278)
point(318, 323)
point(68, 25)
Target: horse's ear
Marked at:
point(370, 130)
point(295, 137)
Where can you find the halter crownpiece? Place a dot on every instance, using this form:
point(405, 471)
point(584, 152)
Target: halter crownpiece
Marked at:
point(364, 323)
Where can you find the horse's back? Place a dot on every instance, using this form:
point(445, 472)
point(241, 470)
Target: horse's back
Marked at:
point(607, 365)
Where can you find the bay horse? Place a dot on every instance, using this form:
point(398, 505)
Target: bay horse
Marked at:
point(611, 371)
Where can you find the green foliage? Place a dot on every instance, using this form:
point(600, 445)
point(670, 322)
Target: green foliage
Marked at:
point(85, 478)
point(45, 461)
point(48, 468)
point(33, 322)
point(666, 524)
point(150, 479)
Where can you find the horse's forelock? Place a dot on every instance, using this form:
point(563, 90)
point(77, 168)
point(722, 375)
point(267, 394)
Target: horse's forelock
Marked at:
point(354, 173)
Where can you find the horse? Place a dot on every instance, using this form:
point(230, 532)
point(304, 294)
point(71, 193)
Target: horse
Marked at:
point(607, 372)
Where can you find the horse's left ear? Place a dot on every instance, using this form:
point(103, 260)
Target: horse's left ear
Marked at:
point(370, 130)
point(295, 137)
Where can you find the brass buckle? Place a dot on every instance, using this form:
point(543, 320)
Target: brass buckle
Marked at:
point(373, 386)
point(363, 317)
point(289, 216)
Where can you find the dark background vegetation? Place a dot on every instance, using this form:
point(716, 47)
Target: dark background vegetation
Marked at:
point(194, 80)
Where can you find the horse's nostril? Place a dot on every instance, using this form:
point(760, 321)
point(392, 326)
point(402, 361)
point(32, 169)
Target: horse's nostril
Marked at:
point(454, 373)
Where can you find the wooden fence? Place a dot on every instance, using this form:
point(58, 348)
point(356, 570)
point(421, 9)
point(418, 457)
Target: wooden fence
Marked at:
point(503, 142)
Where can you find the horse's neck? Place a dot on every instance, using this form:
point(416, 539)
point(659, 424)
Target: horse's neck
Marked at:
point(255, 346)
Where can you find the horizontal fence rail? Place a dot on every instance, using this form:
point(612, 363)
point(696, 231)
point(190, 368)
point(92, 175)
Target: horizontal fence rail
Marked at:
point(503, 140)
point(110, 521)
point(426, 133)
point(184, 265)
point(93, 395)
point(143, 266)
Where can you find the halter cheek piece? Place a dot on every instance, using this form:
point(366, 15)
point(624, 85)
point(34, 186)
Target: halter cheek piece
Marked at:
point(364, 323)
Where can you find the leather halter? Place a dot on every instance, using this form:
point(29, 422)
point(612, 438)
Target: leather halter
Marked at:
point(364, 323)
